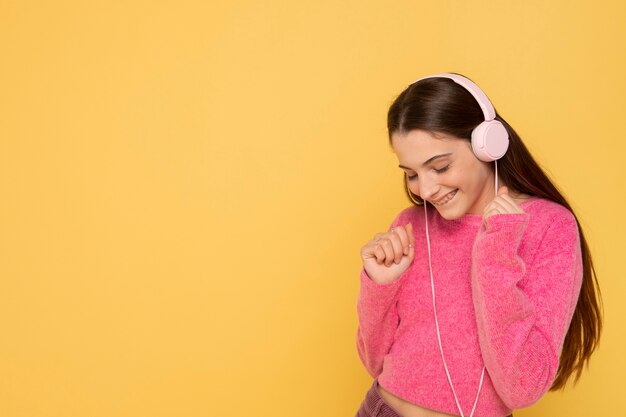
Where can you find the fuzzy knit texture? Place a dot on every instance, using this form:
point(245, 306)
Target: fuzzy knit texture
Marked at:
point(505, 293)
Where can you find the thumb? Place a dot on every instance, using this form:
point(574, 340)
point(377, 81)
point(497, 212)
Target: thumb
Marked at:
point(503, 190)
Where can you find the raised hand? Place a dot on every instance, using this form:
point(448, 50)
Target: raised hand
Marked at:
point(503, 203)
point(389, 254)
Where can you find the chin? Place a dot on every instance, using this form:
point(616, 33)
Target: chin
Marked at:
point(450, 214)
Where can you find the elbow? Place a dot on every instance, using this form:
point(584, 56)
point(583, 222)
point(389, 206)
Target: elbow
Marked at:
point(524, 391)
point(371, 363)
point(516, 401)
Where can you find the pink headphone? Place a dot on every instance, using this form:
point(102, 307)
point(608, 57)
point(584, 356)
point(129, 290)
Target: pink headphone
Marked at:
point(490, 139)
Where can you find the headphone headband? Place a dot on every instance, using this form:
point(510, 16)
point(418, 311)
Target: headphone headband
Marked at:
point(488, 111)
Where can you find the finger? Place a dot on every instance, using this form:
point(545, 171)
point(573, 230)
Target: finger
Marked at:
point(488, 207)
point(505, 205)
point(491, 212)
point(409, 228)
point(512, 203)
point(369, 250)
point(387, 247)
point(503, 190)
point(396, 245)
point(379, 253)
point(373, 250)
point(390, 244)
point(491, 206)
point(404, 242)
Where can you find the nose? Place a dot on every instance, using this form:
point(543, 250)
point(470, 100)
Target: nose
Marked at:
point(427, 187)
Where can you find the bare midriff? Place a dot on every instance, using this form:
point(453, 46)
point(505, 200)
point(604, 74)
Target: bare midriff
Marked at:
point(407, 409)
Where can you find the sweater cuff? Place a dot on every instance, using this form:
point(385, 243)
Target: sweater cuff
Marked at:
point(373, 294)
point(369, 282)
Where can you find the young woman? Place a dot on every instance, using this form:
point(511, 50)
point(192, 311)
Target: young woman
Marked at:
point(481, 296)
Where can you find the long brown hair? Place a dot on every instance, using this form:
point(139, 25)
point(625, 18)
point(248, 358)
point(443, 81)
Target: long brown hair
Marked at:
point(439, 105)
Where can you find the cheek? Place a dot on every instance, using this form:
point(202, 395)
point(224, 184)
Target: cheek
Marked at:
point(455, 179)
point(461, 178)
point(475, 177)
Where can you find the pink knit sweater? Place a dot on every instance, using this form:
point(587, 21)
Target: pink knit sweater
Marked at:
point(505, 296)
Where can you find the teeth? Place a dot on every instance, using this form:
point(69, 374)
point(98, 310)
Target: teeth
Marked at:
point(446, 198)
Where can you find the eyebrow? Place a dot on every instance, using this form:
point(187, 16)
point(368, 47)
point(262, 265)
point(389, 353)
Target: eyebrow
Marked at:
point(430, 160)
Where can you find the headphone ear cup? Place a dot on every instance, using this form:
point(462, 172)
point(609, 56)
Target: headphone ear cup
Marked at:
point(490, 140)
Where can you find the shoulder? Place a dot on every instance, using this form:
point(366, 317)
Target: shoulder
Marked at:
point(546, 214)
point(413, 214)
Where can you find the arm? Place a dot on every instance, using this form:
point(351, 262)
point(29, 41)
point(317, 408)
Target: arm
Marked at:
point(378, 317)
point(523, 310)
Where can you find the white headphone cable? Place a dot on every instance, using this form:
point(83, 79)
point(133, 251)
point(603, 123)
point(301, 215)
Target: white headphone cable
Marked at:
point(496, 161)
point(432, 285)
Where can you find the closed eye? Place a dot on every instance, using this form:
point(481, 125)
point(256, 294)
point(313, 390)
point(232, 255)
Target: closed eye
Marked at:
point(439, 171)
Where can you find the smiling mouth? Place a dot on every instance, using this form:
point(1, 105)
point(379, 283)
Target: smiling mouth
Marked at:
point(445, 199)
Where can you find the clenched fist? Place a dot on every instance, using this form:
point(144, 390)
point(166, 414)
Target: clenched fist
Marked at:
point(503, 203)
point(388, 255)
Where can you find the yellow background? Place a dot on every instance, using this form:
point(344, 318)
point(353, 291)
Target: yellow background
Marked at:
point(185, 187)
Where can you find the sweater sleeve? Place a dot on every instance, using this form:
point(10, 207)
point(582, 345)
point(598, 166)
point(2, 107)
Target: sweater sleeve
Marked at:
point(378, 317)
point(523, 311)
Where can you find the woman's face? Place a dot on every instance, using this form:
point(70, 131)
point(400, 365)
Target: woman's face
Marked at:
point(444, 171)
